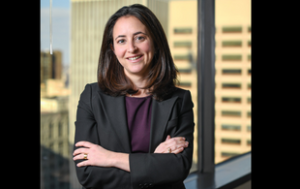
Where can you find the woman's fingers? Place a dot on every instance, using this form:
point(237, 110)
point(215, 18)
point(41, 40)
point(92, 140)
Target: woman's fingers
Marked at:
point(80, 156)
point(178, 150)
point(80, 151)
point(168, 137)
point(84, 144)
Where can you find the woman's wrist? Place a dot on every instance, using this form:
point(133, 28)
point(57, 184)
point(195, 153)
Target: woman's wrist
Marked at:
point(120, 160)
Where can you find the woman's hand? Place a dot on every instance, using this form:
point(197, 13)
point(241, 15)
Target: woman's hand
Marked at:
point(172, 145)
point(95, 155)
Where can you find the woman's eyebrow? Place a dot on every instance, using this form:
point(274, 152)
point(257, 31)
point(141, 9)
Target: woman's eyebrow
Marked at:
point(139, 32)
point(119, 36)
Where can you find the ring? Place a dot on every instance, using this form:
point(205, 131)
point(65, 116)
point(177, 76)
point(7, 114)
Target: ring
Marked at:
point(169, 150)
point(84, 156)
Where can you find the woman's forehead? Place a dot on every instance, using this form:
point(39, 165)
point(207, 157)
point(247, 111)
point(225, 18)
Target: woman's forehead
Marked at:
point(127, 25)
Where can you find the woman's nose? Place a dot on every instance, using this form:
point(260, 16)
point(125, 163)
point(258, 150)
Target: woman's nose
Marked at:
point(131, 47)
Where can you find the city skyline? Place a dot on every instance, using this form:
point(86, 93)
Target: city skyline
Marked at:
point(60, 27)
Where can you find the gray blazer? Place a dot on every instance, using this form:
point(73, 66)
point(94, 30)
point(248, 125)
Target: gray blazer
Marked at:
point(101, 119)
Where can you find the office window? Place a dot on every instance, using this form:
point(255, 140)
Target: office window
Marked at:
point(182, 44)
point(185, 70)
point(249, 57)
point(51, 130)
point(229, 127)
point(249, 85)
point(231, 85)
point(232, 57)
point(229, 154)
point(248, 114)
point(231, 43)
point(230, 141)
point(181, 57)
point(185, 84)
point(231, 71)
point(60, 128)
point(231, 113)
point(182, 30)
point(231, 99)
point(233, 19)
point(232, 29)
point(249, 99)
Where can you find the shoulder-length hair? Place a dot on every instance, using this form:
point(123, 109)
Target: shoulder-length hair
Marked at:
point(162, 76)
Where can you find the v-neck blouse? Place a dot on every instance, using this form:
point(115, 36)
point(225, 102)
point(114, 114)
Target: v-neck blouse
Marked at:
point(139, 122)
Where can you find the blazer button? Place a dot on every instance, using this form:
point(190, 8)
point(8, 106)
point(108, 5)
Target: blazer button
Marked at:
point(141, 185)
point(146, 185)
point(150, 185)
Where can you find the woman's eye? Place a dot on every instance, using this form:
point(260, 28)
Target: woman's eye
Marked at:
point(121, 41)
point(140, 38)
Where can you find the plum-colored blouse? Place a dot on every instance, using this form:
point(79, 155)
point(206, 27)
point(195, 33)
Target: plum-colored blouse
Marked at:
point(139, 122)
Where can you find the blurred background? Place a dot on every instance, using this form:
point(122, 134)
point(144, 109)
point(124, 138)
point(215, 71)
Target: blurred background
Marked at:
point(74, 29)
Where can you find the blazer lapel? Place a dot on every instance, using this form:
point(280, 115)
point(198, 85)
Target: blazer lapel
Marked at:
point(116, 114)
point(159, 119)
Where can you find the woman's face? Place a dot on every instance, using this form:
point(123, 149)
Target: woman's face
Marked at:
point(132, 46)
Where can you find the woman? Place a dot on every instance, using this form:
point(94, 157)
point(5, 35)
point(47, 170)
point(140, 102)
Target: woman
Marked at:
point(134, 128)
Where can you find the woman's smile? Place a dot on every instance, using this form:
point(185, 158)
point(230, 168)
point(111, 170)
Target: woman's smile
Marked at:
point(135, 58)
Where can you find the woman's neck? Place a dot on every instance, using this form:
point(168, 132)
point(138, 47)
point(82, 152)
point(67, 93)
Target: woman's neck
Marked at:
point(139, 83)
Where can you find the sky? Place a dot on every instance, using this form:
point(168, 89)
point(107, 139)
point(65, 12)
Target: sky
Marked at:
point(60, 27)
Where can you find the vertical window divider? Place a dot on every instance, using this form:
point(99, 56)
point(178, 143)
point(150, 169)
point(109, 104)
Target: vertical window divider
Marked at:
point(206, 86)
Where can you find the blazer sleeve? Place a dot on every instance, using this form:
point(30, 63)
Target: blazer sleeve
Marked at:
point(86, 129)
point(160, 169)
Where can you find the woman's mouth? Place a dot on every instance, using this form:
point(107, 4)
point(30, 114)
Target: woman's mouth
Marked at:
point(134, 58)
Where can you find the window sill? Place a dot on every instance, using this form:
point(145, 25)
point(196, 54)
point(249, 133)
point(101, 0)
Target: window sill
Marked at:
point(228, 174)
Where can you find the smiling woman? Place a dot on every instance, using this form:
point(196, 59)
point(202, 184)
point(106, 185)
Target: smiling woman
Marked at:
point(133, 37)
point(134, 128)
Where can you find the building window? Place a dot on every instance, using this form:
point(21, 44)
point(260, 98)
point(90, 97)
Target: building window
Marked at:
point(230, 141)
point(249, 71)
point(182, 44)
point(249, 99)
point(181, 57)
point(249, 57)
point(182, 30)
point(50, 130)
point(248, 114)
point(232, 29)
point(227, 127)
point(249, 142)
point(229, 154)
point(249, 29)
point(249, 43)
point(231, 113)
point(231, 85)
point(184, 84)
point(232, 43)
point(60, 128)
point(249, 128)
point(249, 85)
point(231, 99)
point(232, 57)
point(184, 71)
point(231, 71)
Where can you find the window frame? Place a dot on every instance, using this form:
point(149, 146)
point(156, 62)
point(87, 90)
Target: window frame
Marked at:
point(209, 174)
